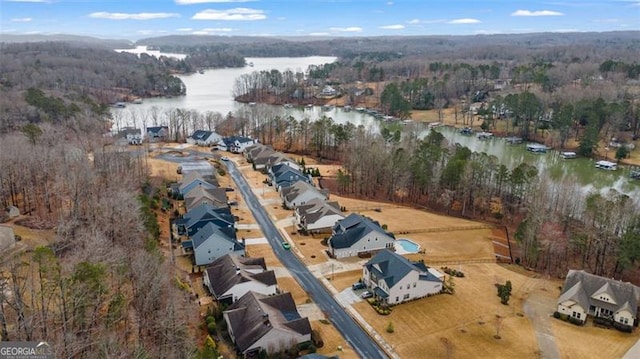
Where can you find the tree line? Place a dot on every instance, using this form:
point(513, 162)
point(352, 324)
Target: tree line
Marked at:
point(101, 287)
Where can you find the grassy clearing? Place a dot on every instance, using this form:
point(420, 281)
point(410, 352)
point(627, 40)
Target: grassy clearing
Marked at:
point(583, 342)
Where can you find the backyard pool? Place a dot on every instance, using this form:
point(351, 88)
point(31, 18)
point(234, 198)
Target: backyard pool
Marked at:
point(405, 246)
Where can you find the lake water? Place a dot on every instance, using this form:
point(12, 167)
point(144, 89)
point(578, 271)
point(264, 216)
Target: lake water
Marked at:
point(212, 91)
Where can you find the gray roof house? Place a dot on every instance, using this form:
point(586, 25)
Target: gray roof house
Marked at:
point(193, 180)
point(204, 138)
point(357, 235)
point(586, 294)
point(256, 150)
point(393, 279)
point(283, 175)
point(318, 216)
point(157, 133)
point(199, 195)
point(212, 242)
point(271, 323)
point(199, 216)
point(235, 144)
point(230, 277)
point(300, 193)
point(7, 238)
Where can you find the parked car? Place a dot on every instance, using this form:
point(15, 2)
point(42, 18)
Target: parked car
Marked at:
point(286, 245)
point(366, 295)
point(358, 285)
point(224, 158)
point(229, 189)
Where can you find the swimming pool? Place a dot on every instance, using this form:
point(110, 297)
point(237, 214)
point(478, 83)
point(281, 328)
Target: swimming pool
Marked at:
point(404, 246)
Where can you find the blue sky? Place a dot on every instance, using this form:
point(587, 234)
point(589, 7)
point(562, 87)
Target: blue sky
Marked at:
point(134, 19)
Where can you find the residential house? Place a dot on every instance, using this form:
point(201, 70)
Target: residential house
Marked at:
point(199, 216)
point(318, 216)
point(195, 179)
point(204, 138)
point(236, 144)
point(300, 193)
point(132, 135)
point(280, 158)
point(328, 92)
point(393, 279)
point(255, 150)
point(211, 242)
point(13, 211)
point(357, 235)
point(199, 195)
point(283, 175)
point(271, 323)
point(7, 238)
point(584, 294)
point(158, 133)
point(230, 277)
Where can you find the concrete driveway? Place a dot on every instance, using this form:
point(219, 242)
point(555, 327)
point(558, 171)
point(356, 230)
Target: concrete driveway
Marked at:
point(539, 309)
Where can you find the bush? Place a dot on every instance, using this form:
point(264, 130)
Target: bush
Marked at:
point(210, 319)
point(316, 339)
point(211, 327)
point(556, 314)
point(575, 321)
point(390, 328)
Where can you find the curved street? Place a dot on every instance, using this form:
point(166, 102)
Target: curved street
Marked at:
point(355, 335)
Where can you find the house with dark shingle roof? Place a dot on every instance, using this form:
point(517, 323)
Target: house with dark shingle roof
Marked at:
point(204, 138)
point(318, 216)
point(271, 323)
point(198, 217)
point(584, 294)
point(284, 175)
point(300, 193)
point(157, 133)
point(211, 242)
point(394, 279)
point(230, 277)
point(235, 144)
point(357, 235)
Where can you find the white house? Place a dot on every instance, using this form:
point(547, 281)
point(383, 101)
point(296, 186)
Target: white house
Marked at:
point(358, 235)
point(271, 323)
point(212, 242)
point(318, 216)
point(204, 138)
point(157, 133)
point(236, 144)
point(585, 294)
point(300, 193)
point(393, 279)
point(230, 277)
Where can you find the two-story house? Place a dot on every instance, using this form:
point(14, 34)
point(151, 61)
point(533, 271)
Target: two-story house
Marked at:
point(230, 277)
point(358, 235)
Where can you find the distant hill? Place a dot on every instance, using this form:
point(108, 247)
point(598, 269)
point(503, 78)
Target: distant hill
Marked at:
point(486, 47)
point(77, 39)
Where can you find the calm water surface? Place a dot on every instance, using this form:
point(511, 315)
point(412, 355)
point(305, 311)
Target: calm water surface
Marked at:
point(212, 91)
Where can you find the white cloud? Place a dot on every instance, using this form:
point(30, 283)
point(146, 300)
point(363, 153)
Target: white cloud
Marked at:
point(184, 29)
point(346, 29)
point(487, 32)
point(414, 21)
point(389, 3)
point(319, 34)
point(21, 19)
point(235, 14)
point(536, 13)
point(138, 16)
point(150, 32)
point(392, 27)
point(218, 29)
point(464, 21)
point(190, 2)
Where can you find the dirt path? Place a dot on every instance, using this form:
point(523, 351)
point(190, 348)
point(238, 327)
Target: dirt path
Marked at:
point(536, 307)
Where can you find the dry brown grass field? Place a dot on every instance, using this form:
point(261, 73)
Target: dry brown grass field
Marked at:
point(332, 339)
point(589, 341)
point(466, 319)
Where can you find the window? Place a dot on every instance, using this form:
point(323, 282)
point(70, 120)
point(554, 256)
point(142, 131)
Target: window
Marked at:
point(576, 315)
point(397, 299)
point(414, 284)
point(406, 296)
point(400, 287)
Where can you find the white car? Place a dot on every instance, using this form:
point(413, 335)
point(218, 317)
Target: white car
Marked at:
point(224, 158)
point(366, 295)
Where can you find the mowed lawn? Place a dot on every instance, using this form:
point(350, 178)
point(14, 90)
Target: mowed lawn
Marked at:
point(584, 342)
point(466, 320)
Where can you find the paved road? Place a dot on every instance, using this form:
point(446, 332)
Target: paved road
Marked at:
point(361, 342)
point(536, 307)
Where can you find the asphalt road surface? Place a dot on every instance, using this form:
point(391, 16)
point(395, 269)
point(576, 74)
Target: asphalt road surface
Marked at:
point(355, 335)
